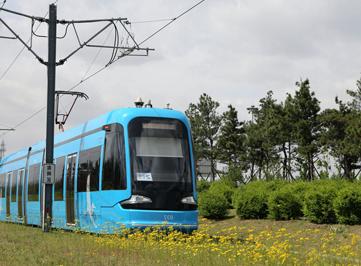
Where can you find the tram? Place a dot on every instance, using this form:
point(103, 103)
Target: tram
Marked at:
point(131, 167)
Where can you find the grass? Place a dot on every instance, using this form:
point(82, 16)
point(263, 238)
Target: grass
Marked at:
point(226, 242)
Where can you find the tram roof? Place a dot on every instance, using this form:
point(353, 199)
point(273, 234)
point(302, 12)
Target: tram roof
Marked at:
point(121, 115)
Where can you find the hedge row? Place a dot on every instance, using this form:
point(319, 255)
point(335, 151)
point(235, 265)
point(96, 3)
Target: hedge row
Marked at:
point(324, 201)
point(214, 199)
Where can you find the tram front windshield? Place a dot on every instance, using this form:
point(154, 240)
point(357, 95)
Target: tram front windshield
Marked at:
point(160, 159)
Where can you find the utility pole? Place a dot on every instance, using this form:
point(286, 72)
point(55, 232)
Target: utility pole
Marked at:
point(49, 166)
point(2, 145)
point(2, 149)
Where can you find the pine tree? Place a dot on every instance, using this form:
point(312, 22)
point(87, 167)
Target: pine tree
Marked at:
point(335, 138)
point(287, 138)
point(263, 137)
point(205, 122)
point(355, 104)
point(341, 132)
point(231, 142)
point(305, 112)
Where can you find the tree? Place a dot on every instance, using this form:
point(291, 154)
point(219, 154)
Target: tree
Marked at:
point(254, 152)
point(353, 130)
point(270, 119)
point(263, 137)
point(205, 122)
point(231, 142)
point(231, 137)
point(355, 104)
point(287, 138)
point(304, 113)
point(336, 138)
point(341, 132)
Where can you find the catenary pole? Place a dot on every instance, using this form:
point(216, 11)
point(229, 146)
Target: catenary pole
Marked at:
point(51, 65)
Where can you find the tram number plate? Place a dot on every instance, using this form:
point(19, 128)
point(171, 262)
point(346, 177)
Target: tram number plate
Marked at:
point(48, 173)
point(168, 217)
point(144, 177)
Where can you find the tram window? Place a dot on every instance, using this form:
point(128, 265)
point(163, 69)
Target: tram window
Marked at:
point(2, 186)
point(20, 181)
point(59, 179)
point(88, 170)
point(13, 186)
point(33, 183)
point(7, 195)
point(114, 164)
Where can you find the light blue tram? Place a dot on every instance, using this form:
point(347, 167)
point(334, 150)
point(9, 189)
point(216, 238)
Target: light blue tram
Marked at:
point(131, 167)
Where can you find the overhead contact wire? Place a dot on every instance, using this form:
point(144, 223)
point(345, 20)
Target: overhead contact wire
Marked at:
point(142, 42)
point(151, 21)
point(22, 49)
point(9, 67)
point(3, 3)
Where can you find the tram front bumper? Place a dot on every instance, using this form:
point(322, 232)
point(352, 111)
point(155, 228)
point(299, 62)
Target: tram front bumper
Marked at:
point(179, 220)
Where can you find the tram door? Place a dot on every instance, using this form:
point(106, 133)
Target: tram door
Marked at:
point(20, 193)
point(70, 173)
point(8, 191)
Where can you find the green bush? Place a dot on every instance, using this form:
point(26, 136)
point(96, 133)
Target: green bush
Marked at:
point(336, 183)
point(250, 201)
point(222, 188)
point(203, 185)
point(273, 185)
point(321, 201)
point(212, 205)
point(347, 205)
point(318, 203)
point(234, 176)
point(285, 203)
point(266, 185)
point(299, 188)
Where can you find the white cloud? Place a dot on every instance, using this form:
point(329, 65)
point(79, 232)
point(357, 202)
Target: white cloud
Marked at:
point(233, 50)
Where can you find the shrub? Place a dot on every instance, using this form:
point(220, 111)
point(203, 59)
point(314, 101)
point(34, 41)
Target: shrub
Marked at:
point(299, 189)
point(250, 201)
point(222, 188)
point(347, 205)
point(273, 185)
point(202, 185)
point(318, 203)
point(234, 176)
point(285, 203)
point(212, 205)
point(336, 183)
point(266, 185)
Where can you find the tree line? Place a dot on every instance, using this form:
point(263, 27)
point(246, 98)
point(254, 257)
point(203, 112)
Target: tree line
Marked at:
point(290, 139)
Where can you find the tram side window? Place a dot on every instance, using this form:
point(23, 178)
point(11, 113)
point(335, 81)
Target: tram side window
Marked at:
point(114, 164)
point(88, 170)
point(8, 186)
point(2, 186)
point(13, 186)
point(33, 183)
point(59, 179)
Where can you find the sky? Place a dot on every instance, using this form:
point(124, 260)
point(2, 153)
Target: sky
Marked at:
point(233, 50)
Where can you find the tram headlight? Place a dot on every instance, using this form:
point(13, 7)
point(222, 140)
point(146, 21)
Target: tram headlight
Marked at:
point(189, 200)
point(137, 199)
